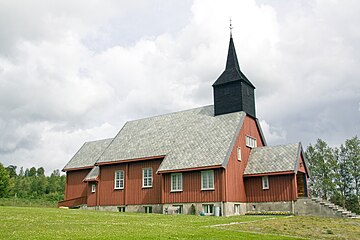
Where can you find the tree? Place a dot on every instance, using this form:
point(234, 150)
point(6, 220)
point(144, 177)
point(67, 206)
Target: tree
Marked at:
point(40, 172)
point(11, 170)
point(323, 165)
point(32, 172)
point(4, 181)
point(352, 152)
point(343, 177)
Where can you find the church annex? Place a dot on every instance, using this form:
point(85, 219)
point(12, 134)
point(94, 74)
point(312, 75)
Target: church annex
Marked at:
point(212, 160)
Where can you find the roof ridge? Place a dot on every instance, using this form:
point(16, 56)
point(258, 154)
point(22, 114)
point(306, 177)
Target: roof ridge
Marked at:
point(169, 113)
point(98, 140)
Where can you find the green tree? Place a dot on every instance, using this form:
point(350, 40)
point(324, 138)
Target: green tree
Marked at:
point(40, 172)
point(32, 172)
point(352, 152)
point(11, 170)
point(323, 166)
point(4, 181)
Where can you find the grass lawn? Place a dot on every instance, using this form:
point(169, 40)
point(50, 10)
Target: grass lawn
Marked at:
point(53, 223)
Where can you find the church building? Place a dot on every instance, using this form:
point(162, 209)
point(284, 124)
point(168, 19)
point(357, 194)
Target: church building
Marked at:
point(211, 160)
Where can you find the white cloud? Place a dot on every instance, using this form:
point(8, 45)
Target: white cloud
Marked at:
point(74, 72)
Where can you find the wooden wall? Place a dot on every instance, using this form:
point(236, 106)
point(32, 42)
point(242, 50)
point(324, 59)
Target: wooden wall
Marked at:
point(133, 193)
point(91, 196)
point(281, 188)
point(75, 187)
point(192, 188)
point(235, 169)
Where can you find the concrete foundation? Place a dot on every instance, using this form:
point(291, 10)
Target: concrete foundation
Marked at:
point(302, 207)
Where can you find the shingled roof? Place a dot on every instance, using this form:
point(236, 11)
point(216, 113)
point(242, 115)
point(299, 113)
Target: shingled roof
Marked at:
point(282, 158)
point(88, 154)
point(93, 174)
point(187, 139)
point(232, 70)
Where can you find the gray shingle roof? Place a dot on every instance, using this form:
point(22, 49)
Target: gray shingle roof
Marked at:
point(188, 139)
point(93, 174)
point(88, 154)
point(273, 159)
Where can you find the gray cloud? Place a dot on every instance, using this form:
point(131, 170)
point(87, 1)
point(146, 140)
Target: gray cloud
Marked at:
point(74, 72)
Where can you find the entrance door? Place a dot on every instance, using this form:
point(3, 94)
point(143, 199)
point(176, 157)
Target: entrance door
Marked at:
point(301, 184)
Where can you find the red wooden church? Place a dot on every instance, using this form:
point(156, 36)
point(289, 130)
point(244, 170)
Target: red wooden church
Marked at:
point(212, 159)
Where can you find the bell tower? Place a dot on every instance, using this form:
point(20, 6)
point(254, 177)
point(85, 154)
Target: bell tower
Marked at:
point(233, 92)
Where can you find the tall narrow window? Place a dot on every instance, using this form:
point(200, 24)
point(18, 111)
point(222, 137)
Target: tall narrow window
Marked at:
point(207, 180)
point(265, 182)
point(119, 179)
point(93, 188)
point(147, 177)
point(176, 182)
point(239, 154)
point(251, 142)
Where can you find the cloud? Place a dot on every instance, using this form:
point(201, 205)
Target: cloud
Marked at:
point(74, 72)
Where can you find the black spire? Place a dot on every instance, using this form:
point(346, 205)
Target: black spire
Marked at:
point(233, 92)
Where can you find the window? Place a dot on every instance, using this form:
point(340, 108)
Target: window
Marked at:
point(148, 209)
point(208, 209)
point(121, 209)
point(207, 180)
point(265, 182)
point(239, 154)
point(251, 142)
point(237, 208)
point(119, 179)
point(176, 182)
point(93, 188)
point(147, 177)
point(179, 209)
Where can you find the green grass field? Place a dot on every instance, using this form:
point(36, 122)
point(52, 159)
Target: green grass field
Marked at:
point(52, 223)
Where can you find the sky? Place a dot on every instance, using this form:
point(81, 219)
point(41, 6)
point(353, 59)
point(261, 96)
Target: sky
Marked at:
point(76, 71)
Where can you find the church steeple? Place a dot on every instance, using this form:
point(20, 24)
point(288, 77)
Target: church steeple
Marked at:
point(233, 92)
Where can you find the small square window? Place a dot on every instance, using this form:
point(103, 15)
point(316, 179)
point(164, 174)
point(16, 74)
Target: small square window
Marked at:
point(208, 209)
point(251, 142)
point(93, 188)
point(265, 182)
point(148, 209)
point(121, 209)
point(179, 209)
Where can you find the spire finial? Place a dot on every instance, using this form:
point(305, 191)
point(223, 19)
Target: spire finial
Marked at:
point(231, 27)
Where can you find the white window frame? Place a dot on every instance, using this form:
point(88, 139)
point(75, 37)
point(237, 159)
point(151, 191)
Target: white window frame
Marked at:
point(251, 142)
point(119, 181)
point(176, 182)
point(208, 209)
point(237, 209)
point(239, 154)
point(265, 182)
point(207, 180)
point(93, 187)
point(146, 179)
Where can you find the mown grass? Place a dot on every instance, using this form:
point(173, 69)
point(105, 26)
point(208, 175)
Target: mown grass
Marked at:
point(52, 223)
point(305, 227)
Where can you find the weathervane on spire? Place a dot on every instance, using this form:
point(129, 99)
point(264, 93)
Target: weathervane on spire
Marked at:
point(231, 27)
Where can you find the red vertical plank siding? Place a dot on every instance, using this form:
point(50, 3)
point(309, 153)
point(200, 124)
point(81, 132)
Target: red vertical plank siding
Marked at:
point(133, 192)
point(192, 188)
point(107, 194)
point(136, 194)
point(301, 164)
point(281, 188)
point(234, 170)
point(75, 187)
point(91, 196)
